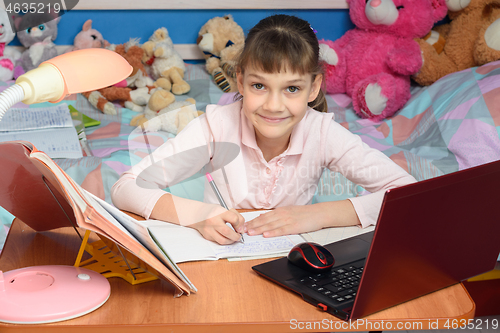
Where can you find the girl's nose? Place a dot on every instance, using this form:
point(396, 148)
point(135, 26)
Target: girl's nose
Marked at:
point(274, 102)
point(375, 3)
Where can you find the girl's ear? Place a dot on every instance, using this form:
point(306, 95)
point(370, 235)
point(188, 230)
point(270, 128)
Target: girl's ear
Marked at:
point(315, 88)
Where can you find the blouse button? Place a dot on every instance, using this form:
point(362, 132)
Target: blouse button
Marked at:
point(268, 170)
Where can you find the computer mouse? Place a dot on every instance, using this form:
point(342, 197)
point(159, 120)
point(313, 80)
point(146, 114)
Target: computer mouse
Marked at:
point(311, 256)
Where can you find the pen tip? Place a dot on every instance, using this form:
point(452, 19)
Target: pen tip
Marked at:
point(209, 176)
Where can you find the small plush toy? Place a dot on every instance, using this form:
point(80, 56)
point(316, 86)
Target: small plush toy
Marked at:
point(133, 92)
point(221, 40)
point(88, 38)
point(472, 38)
point(36, 32)
point(8, 54)
point(164, 113)
point(165, 63)
point(373, 62)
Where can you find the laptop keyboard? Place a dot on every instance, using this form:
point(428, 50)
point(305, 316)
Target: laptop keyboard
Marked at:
point(339, 284)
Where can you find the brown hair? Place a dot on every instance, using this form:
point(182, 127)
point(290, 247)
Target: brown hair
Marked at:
point(281, 42)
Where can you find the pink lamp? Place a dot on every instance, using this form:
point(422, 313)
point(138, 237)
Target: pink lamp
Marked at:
point(69, 73)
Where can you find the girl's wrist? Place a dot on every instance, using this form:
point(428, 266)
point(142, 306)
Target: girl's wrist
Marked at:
point(336, 214)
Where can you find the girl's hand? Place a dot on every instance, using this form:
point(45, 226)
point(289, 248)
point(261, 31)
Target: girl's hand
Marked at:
point(299, 219)
point(284, 221)
point(215, 228)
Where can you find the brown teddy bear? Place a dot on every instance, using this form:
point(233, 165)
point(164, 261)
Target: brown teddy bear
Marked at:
point(221, 40)
point(133, 92)
point(472, 38)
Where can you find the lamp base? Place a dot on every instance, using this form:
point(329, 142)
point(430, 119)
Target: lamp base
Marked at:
point(46, 294)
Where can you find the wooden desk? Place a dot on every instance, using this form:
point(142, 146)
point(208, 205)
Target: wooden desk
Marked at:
point(231, 298)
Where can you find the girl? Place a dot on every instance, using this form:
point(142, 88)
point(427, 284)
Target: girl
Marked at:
point(282, 146)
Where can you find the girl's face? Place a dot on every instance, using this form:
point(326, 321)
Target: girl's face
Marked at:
point(276, 102)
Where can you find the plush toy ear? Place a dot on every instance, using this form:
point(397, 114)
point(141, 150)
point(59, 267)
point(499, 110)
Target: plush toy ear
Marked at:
point(440, 9)
point(87, 25)
point(17, 21)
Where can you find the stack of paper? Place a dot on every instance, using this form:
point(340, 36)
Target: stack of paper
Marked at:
point(50, 129)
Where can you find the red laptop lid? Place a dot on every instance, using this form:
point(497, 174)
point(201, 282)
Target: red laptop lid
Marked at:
point(430, 235)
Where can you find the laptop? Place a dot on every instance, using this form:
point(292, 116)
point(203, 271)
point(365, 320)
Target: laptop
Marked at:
point(429, 235)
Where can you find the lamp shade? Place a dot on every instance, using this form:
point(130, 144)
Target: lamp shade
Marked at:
point(90, 69)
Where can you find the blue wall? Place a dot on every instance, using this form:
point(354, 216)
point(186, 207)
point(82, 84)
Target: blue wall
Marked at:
point(117, 26)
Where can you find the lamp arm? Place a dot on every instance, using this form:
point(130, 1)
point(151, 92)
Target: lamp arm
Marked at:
point(9, 97)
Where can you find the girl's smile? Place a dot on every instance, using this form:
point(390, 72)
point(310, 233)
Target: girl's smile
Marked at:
point(273, 119)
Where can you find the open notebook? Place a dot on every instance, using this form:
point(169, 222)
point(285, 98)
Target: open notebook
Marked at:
point(186, 244)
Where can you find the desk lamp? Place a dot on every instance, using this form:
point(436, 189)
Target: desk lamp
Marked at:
point(43, 294)
point(68, 73)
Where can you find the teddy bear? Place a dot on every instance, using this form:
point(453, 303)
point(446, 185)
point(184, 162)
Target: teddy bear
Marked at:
point(165, 63)
point(164, 113)
point(36, 32)
point(133, 92)
point(221, 40)
point(373, 62)
point(472, 38)
point(8, 54)
point(88, 38)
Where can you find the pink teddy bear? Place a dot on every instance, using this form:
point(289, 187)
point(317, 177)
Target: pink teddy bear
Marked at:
point(373, 62)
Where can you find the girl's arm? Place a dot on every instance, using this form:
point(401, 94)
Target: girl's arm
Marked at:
point(141, 189)
point(300, 219)
point(344, 152)
point(209, 219)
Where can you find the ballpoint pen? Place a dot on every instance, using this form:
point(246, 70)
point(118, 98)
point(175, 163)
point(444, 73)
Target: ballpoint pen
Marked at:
point(221, 199)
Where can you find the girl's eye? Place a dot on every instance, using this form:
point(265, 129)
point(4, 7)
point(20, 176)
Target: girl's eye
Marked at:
point(292, 89)
point(41, 27)
point(258, 86)
point(400, 7)
point(28, 30)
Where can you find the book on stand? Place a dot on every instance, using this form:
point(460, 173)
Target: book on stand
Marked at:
point(36, 190)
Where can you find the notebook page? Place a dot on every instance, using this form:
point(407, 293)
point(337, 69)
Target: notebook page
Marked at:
point(19, 119)
point(59, 143)
point(258, 246)
point(187, 244)
point(335, 234)
point(50, 129)
point(182, 243)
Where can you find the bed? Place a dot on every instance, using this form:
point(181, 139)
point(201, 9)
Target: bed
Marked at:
point(451, 125)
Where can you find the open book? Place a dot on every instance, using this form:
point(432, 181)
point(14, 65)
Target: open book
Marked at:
point(36, 190)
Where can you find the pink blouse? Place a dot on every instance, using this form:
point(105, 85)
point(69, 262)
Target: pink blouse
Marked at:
point(222, 142)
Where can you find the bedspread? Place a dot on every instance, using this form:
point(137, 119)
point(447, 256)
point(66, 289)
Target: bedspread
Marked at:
point(451, 125)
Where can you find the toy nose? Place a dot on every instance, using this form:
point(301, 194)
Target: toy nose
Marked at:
point(375, 3)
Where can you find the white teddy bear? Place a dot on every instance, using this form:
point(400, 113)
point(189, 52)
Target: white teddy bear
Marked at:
point(166, 64)
point(164, 113)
